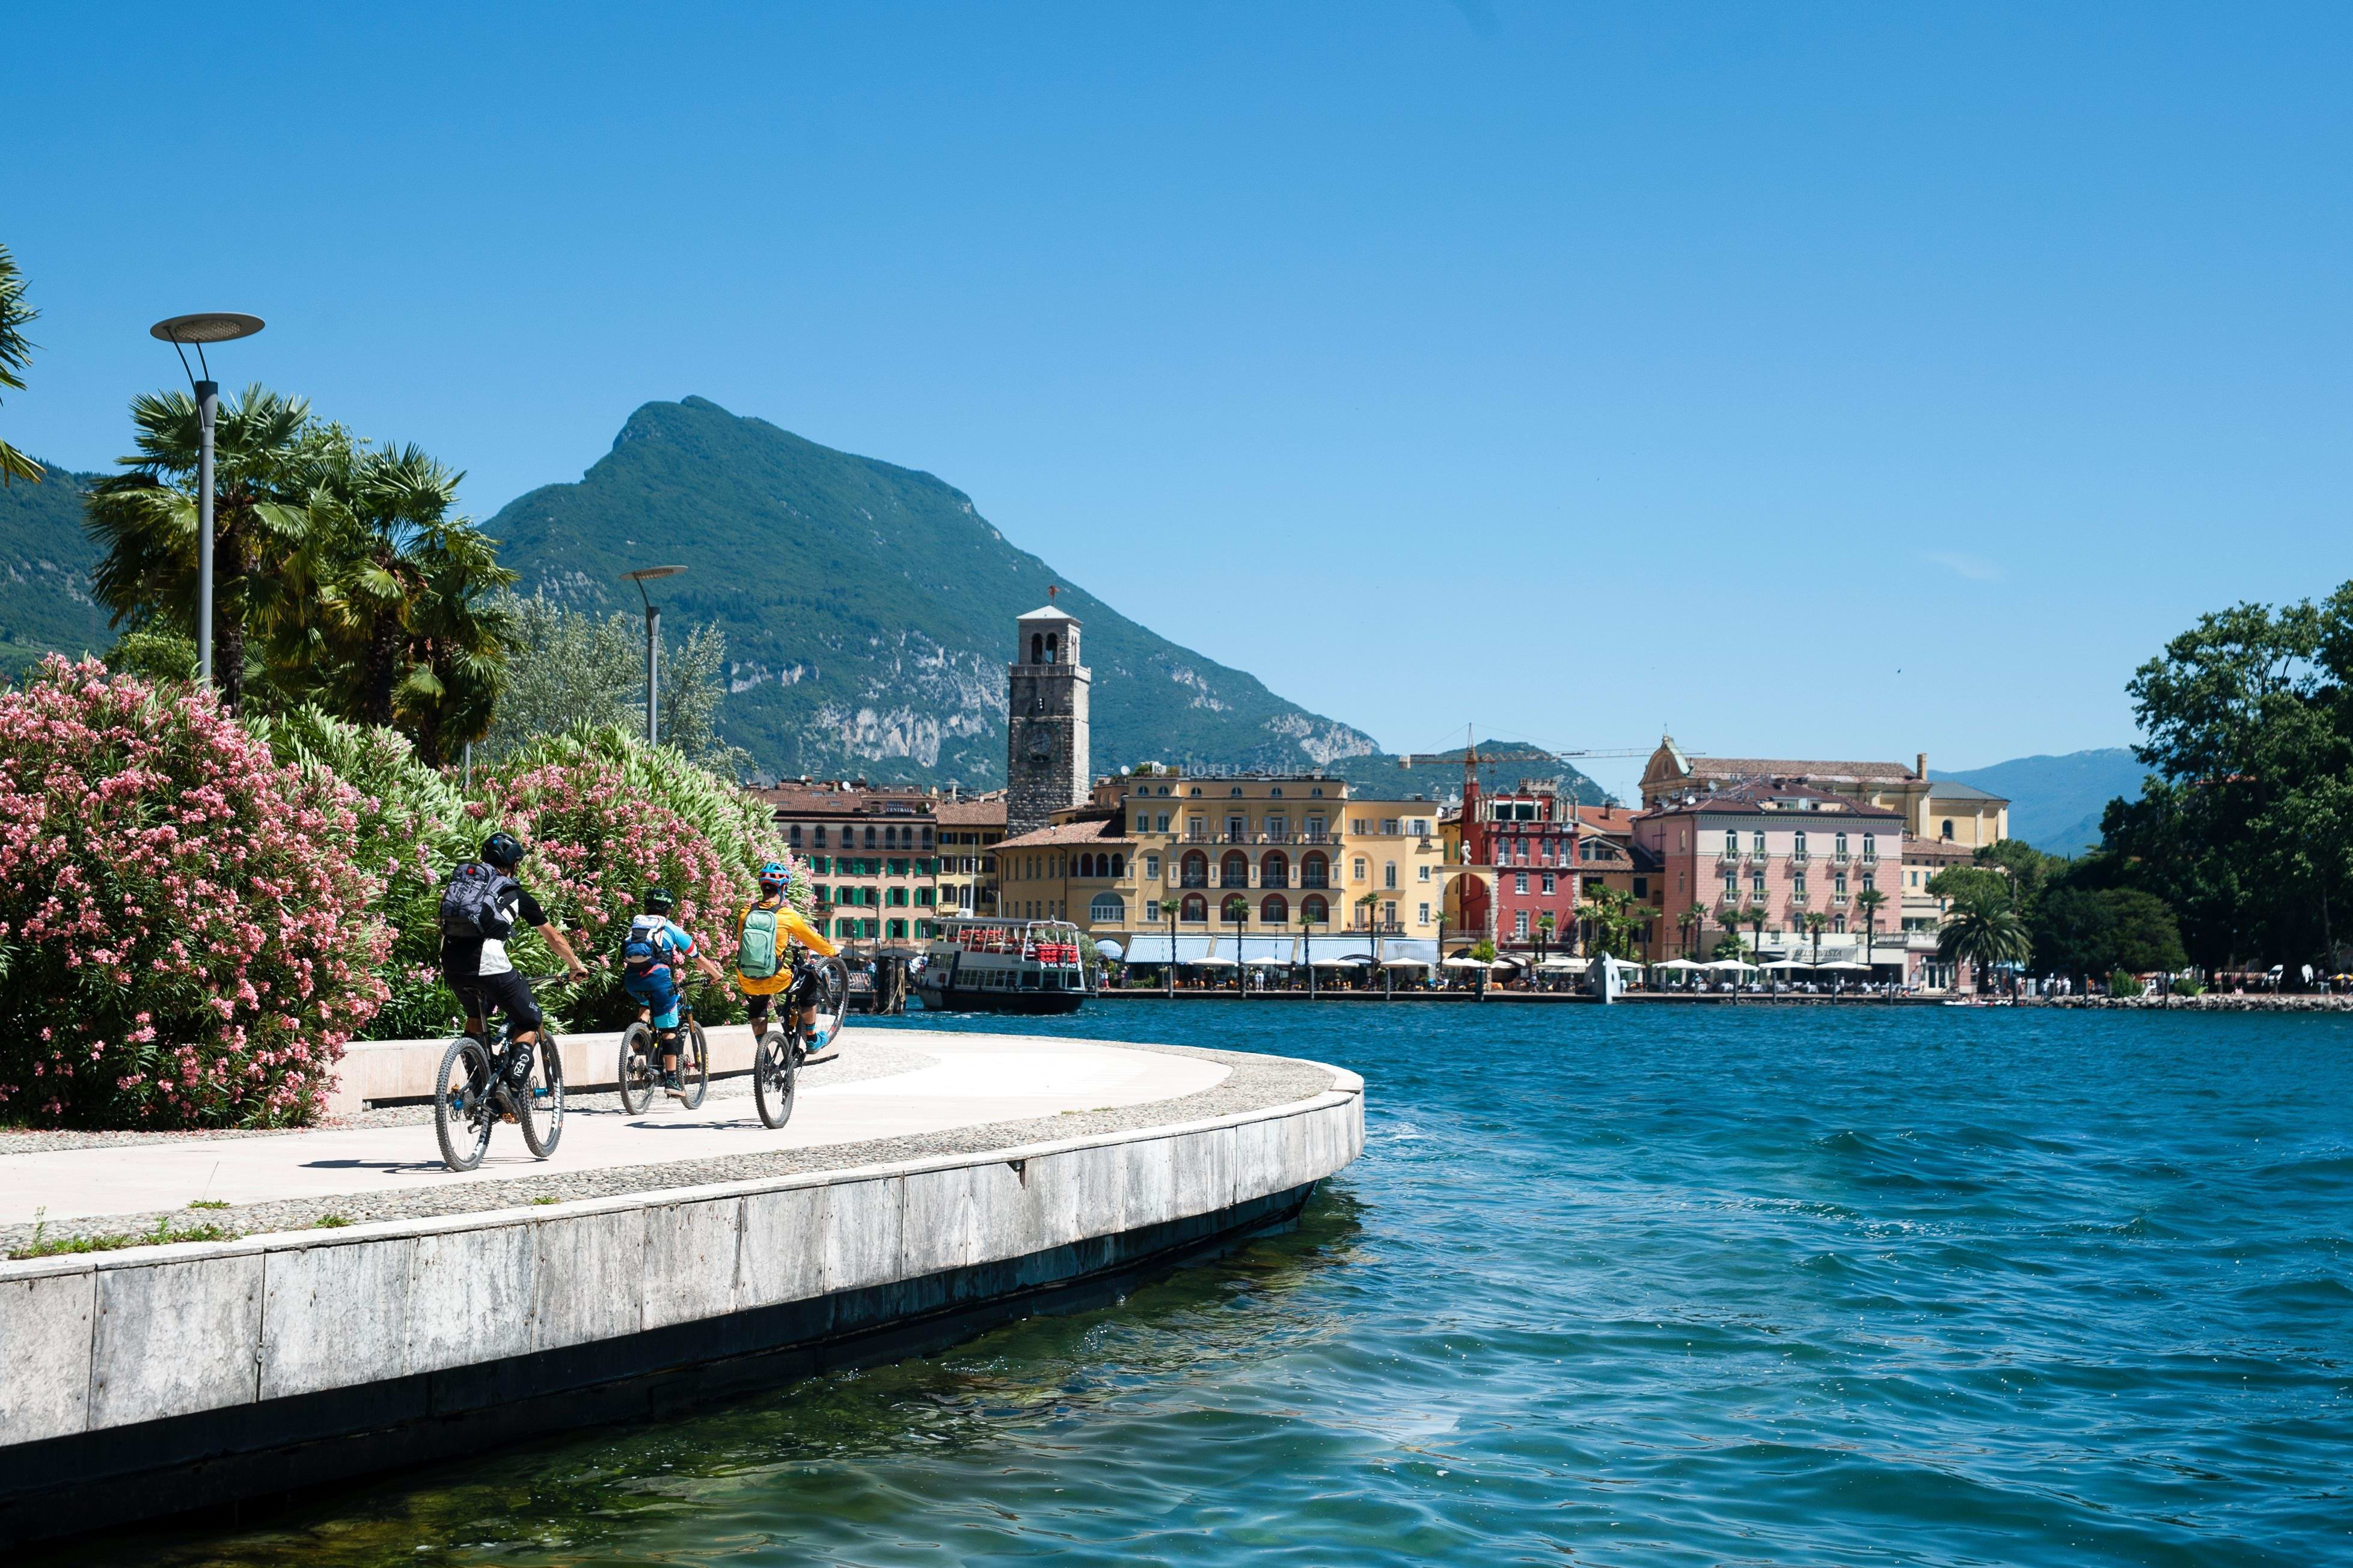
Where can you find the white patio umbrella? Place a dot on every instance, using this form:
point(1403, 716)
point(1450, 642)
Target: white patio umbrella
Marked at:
point(1678, 963)
point(1209, 959)
point(1786, 963)
point(1843, 963)
point(1463, 962)
point(1729, 963)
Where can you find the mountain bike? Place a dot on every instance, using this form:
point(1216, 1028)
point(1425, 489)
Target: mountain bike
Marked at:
point(777, 1054)
point(640, 1072)
point(474, 1092)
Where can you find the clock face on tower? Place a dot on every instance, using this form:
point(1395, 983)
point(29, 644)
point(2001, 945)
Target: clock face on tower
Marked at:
point(1041, 745)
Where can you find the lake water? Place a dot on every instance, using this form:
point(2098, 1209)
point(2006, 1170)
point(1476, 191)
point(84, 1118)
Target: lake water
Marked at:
point(1615, 1286)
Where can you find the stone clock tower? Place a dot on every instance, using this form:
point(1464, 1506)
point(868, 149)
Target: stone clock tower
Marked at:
point(1045, 722)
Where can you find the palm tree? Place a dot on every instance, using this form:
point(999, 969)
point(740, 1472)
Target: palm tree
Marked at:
point(1982, 930)
point(1756, 918)
point(1307, 947)
point(1689, 922)
point(266, 449)
point(1868, 901)
point(1544, 934)
point(15, 355)
point(1168, 907)
point(1815, 922)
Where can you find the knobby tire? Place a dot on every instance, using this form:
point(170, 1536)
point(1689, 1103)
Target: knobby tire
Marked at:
point(539, 1103)
point(464, 1109)
point(637, 1083)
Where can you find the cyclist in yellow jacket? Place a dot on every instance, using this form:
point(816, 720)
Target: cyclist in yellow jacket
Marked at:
point(764, 967)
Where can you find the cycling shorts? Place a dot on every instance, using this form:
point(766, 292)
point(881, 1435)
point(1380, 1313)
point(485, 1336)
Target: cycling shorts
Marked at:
point(658, 990)
point(482, 994)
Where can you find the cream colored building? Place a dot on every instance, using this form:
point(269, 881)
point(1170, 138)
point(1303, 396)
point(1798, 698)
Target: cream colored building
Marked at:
point(1240, 868)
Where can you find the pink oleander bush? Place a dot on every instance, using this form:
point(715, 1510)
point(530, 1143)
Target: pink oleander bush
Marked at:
point(607, 818)
point(187, 932)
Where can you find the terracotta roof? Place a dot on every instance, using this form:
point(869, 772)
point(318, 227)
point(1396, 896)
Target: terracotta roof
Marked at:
point(1748, 797)
point(1086, 830)
point(1770, 767)
point(987, 811)
point(1605, 819)
point(799, 800)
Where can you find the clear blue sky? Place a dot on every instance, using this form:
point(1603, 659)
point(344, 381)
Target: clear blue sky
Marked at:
point(1566, 368)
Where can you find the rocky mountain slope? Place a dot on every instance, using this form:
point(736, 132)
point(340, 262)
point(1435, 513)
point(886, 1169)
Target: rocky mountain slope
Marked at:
point(869, 609)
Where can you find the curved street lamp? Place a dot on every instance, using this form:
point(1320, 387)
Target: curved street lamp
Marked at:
point(197, 330)
point(642, 576)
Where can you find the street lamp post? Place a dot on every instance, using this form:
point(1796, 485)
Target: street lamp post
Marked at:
point(642, 576)
point(180, 331)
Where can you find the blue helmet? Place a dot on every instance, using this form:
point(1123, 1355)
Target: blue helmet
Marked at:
point(774, 874)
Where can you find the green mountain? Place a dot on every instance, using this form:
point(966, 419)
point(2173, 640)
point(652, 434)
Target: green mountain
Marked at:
point(869, 609)
point(45, 565)
point(2055, 802)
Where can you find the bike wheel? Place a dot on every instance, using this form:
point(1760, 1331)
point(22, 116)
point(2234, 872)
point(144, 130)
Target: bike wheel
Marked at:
point(693, 1064)
point(774, 1060)
point(637, 1069)
point(464, 1109)
point(540, 1101)
point(832, 990)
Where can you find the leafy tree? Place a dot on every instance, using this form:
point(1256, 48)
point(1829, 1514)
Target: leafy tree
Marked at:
point(2074, 932)
point(571, 668)
point(1816, 922)
point(2245, 827)
point(2143, 931)
point(16, 353)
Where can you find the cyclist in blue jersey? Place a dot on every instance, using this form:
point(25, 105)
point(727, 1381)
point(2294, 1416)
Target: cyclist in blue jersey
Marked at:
point(651, 958)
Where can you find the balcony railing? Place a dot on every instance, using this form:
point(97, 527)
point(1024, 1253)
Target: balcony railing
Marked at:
point(1837, 858)
point(1317, 835)
point(1312, 877)
point(1275, 878)
point(1798, 856)
point(1194, 880)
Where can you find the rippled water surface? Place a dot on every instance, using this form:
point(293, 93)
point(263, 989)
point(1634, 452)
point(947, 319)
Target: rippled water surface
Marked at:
point(1623, 1286)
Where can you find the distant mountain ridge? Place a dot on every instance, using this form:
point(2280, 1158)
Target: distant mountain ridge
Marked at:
point(45, 564)
point(869, 609)
point(2055, 803)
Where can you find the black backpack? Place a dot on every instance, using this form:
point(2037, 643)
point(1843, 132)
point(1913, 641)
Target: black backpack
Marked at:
point(470, 901)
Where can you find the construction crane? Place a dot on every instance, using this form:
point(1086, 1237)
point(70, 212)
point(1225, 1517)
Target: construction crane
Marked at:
point(1472, 758)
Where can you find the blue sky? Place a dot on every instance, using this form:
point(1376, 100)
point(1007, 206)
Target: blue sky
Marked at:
point(1816, 380)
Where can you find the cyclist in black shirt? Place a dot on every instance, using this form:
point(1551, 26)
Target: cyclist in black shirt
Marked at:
point(479, 970)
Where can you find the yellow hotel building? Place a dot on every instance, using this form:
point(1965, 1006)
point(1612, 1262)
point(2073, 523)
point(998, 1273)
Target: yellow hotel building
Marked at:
point(1252, 869)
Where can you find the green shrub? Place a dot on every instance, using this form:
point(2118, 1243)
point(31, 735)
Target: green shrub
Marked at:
point(413, 827)
point(2125, 983)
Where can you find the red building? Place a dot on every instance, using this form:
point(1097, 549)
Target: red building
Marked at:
point(1548, 857)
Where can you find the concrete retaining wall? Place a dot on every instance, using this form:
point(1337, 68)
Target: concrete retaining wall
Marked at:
point(136, 1380)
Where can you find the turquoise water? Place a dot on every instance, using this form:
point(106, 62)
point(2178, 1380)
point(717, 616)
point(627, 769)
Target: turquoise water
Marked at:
point(1623, 1286)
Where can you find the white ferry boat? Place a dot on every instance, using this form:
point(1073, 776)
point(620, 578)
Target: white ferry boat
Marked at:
point(978, 966)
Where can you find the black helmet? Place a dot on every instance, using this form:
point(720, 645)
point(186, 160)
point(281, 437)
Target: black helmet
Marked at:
point(504, 850)
point(658, 901)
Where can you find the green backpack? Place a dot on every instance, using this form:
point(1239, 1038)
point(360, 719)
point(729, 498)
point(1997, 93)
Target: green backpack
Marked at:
point(756, 950)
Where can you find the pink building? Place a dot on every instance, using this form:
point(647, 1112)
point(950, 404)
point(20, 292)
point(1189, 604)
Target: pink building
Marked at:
point(1789, 850)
